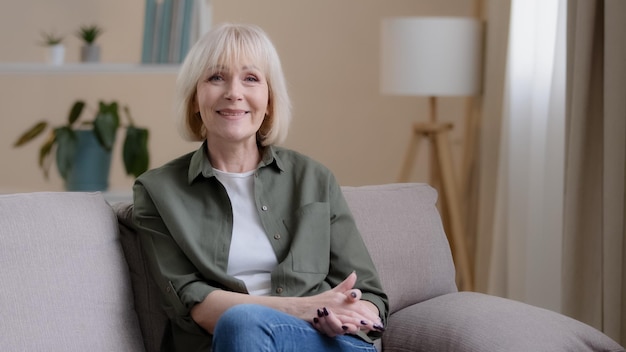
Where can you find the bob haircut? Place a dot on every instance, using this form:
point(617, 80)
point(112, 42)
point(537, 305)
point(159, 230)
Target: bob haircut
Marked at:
point(225, 46)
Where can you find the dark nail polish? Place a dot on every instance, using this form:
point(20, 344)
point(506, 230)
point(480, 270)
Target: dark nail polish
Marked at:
point(315, 320)
point(319, 313)
point(363, 322)
point(379, 327)
point(325, 311)
point(345, 328)
point(353, 294)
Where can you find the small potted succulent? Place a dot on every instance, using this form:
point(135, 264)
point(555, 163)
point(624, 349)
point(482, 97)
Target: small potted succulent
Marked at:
point(83, 148)
point(55, 50)
point(90, 51)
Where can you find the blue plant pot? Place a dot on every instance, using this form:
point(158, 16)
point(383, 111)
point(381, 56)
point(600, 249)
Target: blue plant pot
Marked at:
point(92, 164)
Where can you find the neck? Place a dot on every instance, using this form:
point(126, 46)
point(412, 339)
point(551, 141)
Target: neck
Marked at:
point(234, 158)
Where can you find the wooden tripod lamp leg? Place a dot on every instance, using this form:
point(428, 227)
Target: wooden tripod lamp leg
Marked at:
point(442, 167)
point(410, 156)
point(452, 204)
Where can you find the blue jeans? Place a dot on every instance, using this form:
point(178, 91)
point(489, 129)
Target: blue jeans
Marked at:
point(250, 327)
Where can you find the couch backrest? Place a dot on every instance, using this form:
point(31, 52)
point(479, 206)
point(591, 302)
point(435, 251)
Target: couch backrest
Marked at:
point(399, 223)
point(402, 229)
point(65, 283)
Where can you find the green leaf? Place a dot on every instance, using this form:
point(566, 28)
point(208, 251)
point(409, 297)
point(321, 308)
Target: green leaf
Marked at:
point(31, 133)
point(89, 33)
point(75, 112)
point(45, 152)
point(66, 150)
point(106, 123)
point(51, 38)
point(135, 152)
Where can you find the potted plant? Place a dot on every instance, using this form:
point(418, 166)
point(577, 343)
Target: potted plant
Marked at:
point(83, 148)
point(90, 51)
point(55, 50)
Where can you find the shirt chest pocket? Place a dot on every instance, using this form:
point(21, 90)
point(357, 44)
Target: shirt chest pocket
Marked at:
point(309, 230)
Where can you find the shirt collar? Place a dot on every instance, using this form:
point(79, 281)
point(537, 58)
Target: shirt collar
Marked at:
point(201, 165)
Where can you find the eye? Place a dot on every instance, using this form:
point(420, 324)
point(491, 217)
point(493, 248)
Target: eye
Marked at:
point(251, 78)
point(215, 77)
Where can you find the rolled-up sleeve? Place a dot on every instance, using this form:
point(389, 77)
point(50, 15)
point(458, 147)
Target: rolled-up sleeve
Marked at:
point(178, 279)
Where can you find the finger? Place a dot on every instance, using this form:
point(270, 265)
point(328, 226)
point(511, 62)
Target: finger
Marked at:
point(358, 308)
point(346, 284)
point(356, 323)
point(365, 320)
point(322, 326)
point(353, 295)
point(330, 324)
point(350, 328)
point(369, 312)
point(372, 325)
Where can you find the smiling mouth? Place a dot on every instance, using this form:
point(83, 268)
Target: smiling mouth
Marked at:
point(232, 113)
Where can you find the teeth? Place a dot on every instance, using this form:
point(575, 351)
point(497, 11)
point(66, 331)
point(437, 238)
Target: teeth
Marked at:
point(232, 113)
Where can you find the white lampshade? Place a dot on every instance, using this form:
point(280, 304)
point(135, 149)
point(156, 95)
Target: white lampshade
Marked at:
point(430, 56)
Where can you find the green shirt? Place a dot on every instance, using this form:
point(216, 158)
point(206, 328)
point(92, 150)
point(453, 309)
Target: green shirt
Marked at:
point(185, 222)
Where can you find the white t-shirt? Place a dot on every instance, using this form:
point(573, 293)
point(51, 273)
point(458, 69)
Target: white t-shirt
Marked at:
point(251, 257)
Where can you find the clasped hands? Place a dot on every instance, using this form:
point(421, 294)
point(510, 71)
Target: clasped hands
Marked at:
point(341, 311)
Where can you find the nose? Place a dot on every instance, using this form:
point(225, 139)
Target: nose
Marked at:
point(233, 91)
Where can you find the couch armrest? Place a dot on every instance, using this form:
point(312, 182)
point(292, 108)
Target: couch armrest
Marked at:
point(469, 321)
point(65, 286)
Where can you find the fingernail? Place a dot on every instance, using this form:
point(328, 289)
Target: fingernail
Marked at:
point(319, 313)
point(315, 320)
point(363, 322)
point(325, 311)
point(345, 328)
point(378, 327)
point(353, 294)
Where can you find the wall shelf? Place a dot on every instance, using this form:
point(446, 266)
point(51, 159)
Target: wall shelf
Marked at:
point(86, 68)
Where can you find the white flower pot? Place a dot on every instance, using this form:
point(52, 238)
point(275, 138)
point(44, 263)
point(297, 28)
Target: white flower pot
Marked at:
point(55, 54)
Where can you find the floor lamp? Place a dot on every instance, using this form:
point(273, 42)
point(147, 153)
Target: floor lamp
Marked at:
point(434, 57)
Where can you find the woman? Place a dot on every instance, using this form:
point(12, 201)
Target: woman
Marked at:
point(252, 245)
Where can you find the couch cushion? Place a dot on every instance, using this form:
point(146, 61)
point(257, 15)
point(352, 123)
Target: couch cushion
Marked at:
point(475, 322)
point(66, 283)
point(402, 229)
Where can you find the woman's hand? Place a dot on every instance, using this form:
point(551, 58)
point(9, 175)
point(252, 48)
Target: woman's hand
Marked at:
point(334, 312)
point(343, 312)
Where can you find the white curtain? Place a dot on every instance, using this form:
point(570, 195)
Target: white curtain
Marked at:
point(526, 251)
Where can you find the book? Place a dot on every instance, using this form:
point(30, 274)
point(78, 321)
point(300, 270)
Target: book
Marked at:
point(174, 53)
point(164, 31)
point(171, 27)
point(156, 30)
point(148, 32)
point(185, 40)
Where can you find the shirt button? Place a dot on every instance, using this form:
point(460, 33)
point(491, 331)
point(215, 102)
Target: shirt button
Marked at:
point(277, 236)
point(264, 208)
point(279, 290)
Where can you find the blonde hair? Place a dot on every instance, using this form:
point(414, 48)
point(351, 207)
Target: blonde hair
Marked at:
point(224, 46)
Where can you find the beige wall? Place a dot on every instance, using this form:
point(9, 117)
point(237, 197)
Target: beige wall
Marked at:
point(329, 50)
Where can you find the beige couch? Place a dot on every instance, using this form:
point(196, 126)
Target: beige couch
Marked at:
point(73, 282)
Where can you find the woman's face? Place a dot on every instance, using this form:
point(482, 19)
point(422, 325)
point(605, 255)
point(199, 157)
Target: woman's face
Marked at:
point(233, 102)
